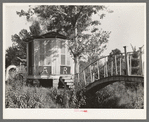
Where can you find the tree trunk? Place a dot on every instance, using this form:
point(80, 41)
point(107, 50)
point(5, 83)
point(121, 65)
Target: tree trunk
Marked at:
point(77, 56)
point(76, 69)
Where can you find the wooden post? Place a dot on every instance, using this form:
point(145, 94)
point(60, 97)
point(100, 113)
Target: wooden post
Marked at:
point(121, 65)
point(107, 66)
point(115, 64)
point(106, 73)
point(140, 64)
point(111, 68)
point(143, 68)
point(91, 73)
point(98, 69)
point(93, 77)
point(84, 77)
point(130, 65)
point(104, 70)
point(126, 60)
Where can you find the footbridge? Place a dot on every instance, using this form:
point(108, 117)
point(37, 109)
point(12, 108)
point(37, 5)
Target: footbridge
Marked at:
point(127, 66)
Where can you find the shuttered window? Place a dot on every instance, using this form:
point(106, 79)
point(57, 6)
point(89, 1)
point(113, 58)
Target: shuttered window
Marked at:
point(42, 57)
point(48, 53)
point(62, 47)
point(63, 52)
point(65, 56)
point(63, 59)
point(65, 67)
point(45, 53)
point(68, 59)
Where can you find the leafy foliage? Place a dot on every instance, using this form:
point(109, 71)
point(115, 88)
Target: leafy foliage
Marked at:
point(71, 21)
point(18, 95)
point(18, 50)
point(11, 56)
point(69, 15)
point(116, 95)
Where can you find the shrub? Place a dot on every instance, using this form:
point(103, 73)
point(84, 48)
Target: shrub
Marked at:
point(18, 95)
point(116, 95)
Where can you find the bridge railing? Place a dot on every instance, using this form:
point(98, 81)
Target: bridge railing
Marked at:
point(112, 65)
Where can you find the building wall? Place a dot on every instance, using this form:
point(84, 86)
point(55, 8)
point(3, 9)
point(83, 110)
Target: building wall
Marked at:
point(50, 53)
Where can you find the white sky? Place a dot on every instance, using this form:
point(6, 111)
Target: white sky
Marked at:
point(126, 23)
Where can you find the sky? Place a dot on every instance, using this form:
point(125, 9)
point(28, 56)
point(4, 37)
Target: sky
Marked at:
point(126, 23)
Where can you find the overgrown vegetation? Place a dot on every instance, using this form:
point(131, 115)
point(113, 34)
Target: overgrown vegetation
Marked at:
point(116, 95)
point(18, 95)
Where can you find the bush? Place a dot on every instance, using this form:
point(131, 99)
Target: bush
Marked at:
point(28, 97)
point(117, 95)
point(17, 95)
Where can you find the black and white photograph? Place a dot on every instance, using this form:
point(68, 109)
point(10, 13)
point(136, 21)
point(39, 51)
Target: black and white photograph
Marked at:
point(74, 61)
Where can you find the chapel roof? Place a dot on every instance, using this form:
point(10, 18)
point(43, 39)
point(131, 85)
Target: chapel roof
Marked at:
point(51, 35)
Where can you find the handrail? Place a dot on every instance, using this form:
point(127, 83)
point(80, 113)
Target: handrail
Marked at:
point(96, 61)
point(112, 65)
point(100, 59)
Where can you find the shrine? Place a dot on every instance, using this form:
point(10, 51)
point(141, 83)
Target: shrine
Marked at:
point(48, 58)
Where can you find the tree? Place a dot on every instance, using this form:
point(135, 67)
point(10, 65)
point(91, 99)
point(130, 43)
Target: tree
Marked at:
point(10, 56)
point(116, 54)
point(35, 29)
point(16, 52)
point(18, 42)
point(71, 21)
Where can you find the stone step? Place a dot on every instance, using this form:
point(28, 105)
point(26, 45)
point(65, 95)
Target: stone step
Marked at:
point(68, 82)
point(63, 76)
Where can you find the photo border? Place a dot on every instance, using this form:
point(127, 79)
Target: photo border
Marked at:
point(37, 1)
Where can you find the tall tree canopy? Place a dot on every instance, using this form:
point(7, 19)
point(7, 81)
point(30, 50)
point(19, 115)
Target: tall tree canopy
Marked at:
point(17, 51)
point(72, 21)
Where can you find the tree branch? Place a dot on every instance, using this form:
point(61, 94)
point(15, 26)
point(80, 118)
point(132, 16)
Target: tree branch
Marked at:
point(60, 12)
point(70, 49)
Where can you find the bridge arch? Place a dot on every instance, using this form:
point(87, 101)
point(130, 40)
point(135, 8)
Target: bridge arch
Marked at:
point(101, 83)
point(112, 68)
